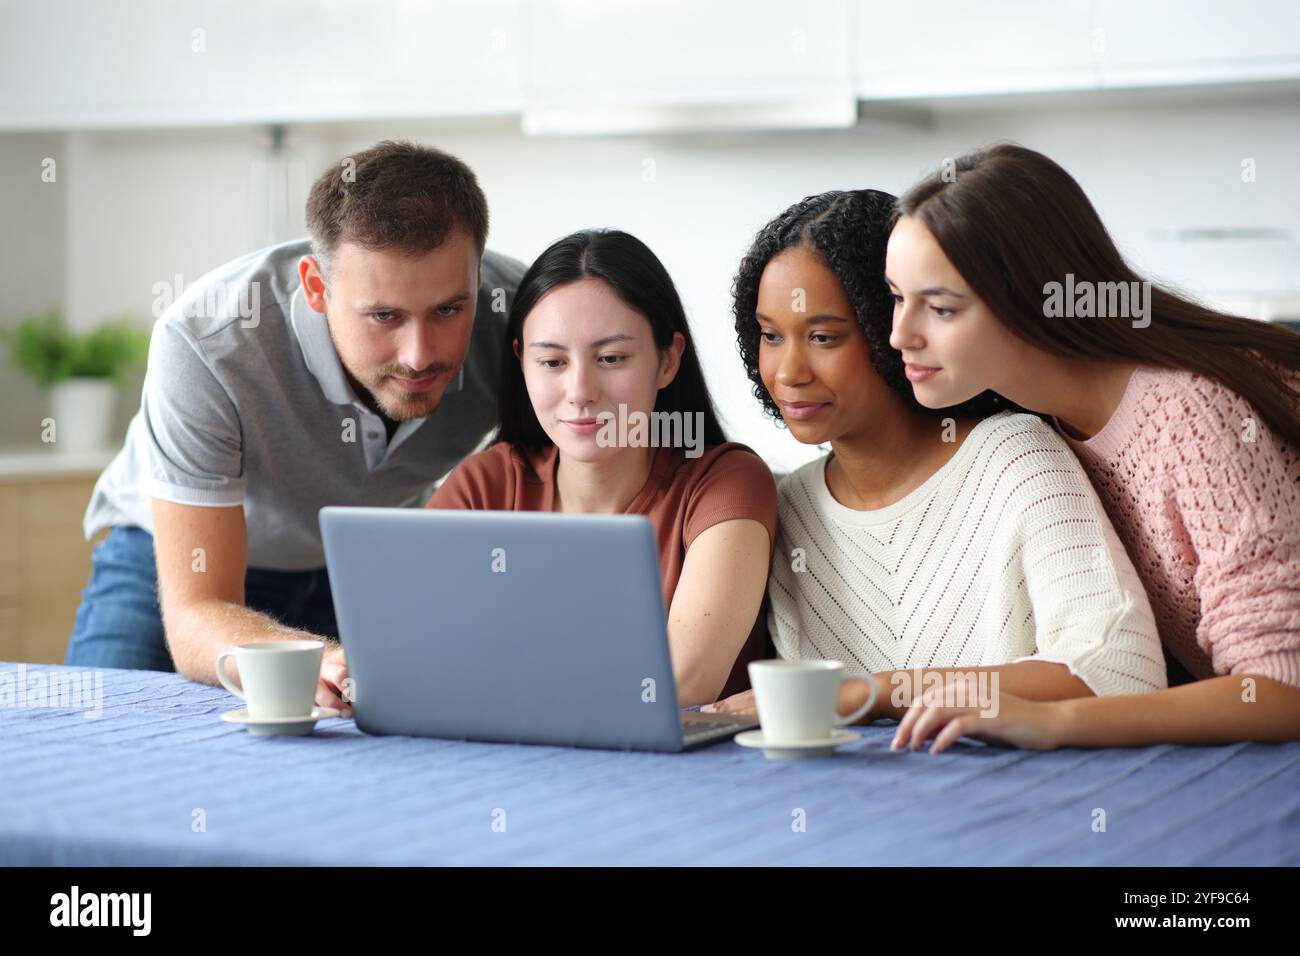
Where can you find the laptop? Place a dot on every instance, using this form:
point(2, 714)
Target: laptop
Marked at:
point(518, 627)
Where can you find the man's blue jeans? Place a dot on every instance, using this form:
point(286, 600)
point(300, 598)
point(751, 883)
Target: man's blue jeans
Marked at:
point(119, 623)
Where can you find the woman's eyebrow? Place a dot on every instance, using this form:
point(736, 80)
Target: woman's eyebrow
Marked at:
point(933, 290)
point(821, 317)
point(608, 339)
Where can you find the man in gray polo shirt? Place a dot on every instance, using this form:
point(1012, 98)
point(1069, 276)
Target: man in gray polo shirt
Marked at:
point(356, 368)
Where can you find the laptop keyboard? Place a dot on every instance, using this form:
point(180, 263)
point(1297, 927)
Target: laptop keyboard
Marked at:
point(695, 730)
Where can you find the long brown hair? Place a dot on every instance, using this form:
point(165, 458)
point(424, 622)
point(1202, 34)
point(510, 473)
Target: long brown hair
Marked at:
point(1011, 221)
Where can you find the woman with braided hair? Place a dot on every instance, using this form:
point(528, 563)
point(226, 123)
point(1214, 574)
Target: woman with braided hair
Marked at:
point(927, 546)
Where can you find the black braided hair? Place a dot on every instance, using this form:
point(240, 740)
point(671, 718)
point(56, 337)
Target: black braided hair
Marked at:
point(847, 231)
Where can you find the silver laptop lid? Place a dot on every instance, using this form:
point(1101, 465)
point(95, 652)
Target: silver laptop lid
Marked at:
point(508, 626)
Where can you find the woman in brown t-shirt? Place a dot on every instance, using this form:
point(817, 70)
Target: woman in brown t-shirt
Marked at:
point(604, 410)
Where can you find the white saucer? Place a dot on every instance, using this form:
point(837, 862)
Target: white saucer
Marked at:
point(797, 750)
point(289, 726)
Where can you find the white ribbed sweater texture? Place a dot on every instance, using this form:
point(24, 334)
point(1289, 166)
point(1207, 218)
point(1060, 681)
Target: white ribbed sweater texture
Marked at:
point(1004, 554)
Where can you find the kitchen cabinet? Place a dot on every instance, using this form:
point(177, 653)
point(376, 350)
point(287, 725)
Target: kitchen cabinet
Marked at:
point(940, 48)
point(1168, 42)
point(672, 52)
point(936, 48)
point(79, 64)
point(44, 560)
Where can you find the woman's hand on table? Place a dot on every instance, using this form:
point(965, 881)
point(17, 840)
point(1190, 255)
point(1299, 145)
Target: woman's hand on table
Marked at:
point(853, 694)
point(333, 689)
point(1015, 722)
point(742, 703)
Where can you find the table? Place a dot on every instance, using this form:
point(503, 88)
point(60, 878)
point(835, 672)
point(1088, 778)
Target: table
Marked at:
point(159, 779)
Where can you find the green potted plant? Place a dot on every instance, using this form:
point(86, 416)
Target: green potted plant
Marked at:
point(81, 372)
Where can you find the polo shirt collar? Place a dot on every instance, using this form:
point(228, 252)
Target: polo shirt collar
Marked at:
point(318, 351)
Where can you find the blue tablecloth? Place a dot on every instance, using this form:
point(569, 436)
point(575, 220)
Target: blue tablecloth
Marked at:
point(158, 778)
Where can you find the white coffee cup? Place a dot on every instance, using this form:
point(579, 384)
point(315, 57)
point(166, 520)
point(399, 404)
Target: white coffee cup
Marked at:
point(797, 699)
point(279, 677)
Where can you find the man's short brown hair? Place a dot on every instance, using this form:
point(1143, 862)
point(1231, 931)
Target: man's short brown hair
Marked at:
point(395, 195)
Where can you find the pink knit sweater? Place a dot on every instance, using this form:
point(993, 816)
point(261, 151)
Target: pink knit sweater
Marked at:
point(1207, 500)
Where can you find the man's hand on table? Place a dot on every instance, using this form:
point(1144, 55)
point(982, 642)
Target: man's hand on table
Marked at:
point(330, 690)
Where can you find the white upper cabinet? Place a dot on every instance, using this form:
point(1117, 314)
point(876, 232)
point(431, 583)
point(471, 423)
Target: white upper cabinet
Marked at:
point(931, 48)
point(601, 65)
point(670, 65)
point(1164, 42)
point(69, 64)
point(953, 47)
point(686, 51)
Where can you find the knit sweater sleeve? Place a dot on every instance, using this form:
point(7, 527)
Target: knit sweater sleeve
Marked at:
point(1237, 491)
point(1089, 609)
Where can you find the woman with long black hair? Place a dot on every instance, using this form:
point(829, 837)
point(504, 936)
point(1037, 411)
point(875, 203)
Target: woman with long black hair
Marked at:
point(604, 409)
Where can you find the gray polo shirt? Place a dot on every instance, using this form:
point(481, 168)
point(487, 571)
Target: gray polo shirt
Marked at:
point(245, 403)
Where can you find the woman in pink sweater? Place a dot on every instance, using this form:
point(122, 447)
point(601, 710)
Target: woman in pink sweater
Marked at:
point(1186, 419)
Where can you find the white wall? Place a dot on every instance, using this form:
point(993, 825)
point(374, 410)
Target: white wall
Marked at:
point(32, 242)
point(142, 206)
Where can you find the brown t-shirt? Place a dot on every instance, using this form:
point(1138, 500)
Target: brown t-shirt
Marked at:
point(682, 497)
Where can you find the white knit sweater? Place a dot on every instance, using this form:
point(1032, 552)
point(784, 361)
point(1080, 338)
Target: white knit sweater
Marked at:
point(1004, 554)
